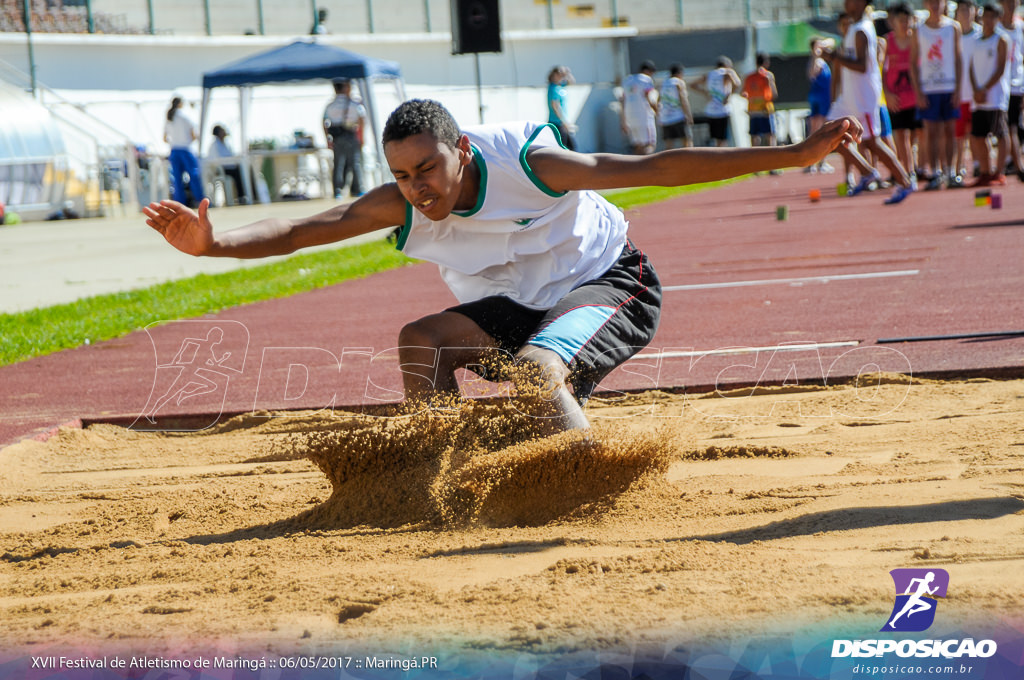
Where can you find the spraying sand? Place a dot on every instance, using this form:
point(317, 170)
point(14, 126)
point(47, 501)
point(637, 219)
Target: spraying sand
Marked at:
point(681, 517)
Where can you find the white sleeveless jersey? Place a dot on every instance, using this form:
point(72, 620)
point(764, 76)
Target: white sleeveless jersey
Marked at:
point(718, 100)
point(984, 59)
point(522, 240)
point(636, 92)
point(670, 109)
point(937, 50)
point(861, 93)
point(967, 42)
point(1016, 55)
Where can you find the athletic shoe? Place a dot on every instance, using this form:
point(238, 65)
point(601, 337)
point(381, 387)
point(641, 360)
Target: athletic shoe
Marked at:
point(997, 180)
point(865, 184)
point(935, 183)
point(984, 181)
point(825, 168)
point(1020, 175)
point(898, 195)
point(956, 182)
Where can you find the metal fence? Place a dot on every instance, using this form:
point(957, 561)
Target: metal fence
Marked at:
point(288, 17)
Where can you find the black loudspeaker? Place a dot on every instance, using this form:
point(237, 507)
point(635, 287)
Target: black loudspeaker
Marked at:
point(476, 26)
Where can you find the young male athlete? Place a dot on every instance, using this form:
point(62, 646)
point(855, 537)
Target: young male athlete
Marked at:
point(539, 262)
point(860, 94)
point(938, 54)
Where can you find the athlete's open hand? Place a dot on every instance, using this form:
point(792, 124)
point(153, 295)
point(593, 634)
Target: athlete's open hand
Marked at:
point(830, 136)
point(186, 230)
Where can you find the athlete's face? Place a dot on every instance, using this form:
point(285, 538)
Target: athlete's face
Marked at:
point(431, 175)
point(935, 7)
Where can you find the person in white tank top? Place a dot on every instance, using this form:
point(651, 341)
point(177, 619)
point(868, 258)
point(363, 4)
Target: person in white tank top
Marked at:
point(1013, 25)
point(639, 107)
point(970, 30)
point(990, 84)
point(938, 54)
point(718, 85)
point(538, 261)
point(859, 96)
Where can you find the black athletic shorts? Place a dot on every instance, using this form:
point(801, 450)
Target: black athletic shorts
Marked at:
point(985, 122)
point(719, 128)
point(594, 328)
point(905, 119)
point(1013, 116)
point(680, 130)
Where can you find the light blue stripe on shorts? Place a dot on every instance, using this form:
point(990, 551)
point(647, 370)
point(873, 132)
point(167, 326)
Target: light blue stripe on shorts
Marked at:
point(566, 335)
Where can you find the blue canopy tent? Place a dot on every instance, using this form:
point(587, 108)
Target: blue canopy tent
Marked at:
point(301, 60)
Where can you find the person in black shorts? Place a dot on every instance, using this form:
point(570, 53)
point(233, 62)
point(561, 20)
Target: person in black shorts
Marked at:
point(539, 262)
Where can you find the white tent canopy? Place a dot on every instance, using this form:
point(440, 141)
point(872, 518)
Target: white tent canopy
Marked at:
point(299, 61)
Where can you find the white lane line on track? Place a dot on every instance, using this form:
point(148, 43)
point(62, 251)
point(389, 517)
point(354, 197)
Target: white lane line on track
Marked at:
point(796, 281)
point(745, 350)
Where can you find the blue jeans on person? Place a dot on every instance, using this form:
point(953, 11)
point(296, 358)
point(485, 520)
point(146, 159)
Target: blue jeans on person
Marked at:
point(184, 161)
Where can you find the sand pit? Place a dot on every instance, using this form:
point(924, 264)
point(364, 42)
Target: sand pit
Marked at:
point(688, 517)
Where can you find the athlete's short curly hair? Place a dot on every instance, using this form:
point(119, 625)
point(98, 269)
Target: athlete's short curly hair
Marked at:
point(422, 115)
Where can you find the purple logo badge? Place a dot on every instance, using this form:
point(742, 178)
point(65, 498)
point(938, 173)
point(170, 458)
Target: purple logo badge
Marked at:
point(916, 593)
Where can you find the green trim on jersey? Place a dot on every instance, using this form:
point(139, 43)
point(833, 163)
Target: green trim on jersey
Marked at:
point(526, 166)
point(478, 158)
point(403, 235)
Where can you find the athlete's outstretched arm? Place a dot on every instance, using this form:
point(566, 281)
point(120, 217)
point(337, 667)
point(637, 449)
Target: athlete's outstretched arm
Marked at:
point(563, 170)
point(191, 232)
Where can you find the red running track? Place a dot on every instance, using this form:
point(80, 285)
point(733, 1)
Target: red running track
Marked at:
point(748, 299)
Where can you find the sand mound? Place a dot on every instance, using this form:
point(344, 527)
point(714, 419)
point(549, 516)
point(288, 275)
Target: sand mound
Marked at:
point(472, 463)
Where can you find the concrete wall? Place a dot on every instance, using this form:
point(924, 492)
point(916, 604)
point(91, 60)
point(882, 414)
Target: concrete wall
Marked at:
point(68, 61)
point(235, 17)
point(129, 80)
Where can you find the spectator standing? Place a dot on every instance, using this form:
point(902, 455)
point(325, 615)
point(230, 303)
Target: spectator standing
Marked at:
point(639, 107)
point(760, 92)
point(898, 82)
point(860, 95)
point(320, 23)
point(718, 85)
point(938, 55)
point(1014, 27)
point(970, 31)
point(990, 84)
point(180, 132)
point(674, 110)
point(819, 96)
point(344, 118)
point(559, 78)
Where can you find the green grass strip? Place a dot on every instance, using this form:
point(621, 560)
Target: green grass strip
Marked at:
point(36, 332)
point(633, 198)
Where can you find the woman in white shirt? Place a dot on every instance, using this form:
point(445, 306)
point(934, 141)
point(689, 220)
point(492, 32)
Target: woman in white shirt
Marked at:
point(179, 132)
